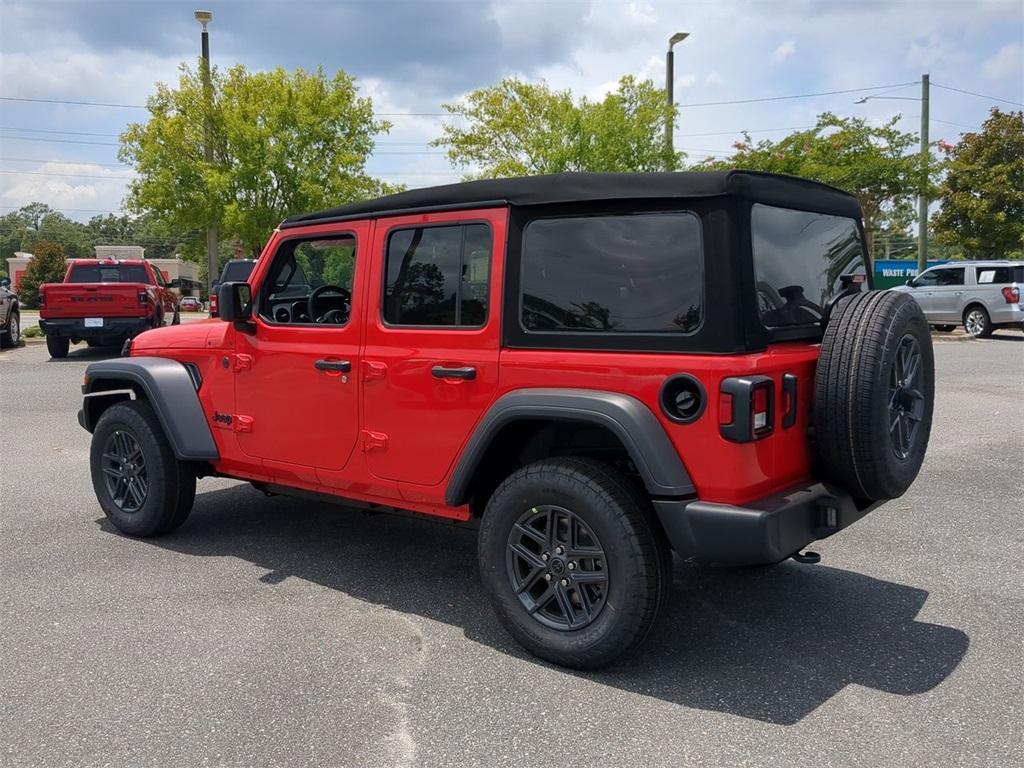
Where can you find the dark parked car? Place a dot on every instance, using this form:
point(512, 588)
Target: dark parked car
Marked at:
point(10, 316)
point(236, 271)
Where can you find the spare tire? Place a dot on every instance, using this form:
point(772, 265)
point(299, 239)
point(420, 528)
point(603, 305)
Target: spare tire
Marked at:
point(874, 392)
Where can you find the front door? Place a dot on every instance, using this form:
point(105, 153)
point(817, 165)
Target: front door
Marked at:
point(947, 296)
point(296, 384)
point(430, 366)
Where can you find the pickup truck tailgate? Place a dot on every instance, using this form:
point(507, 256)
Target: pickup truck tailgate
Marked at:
point(94, 300)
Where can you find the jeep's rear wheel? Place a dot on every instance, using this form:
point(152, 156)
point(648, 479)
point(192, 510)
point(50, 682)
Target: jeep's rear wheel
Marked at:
point(572, 562)
point(874, 395)
point(143, 489)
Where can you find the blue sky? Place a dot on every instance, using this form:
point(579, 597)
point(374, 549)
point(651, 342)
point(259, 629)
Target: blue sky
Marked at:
point(411, 57)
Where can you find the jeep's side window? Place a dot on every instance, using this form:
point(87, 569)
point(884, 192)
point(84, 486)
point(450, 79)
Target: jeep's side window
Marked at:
point(438, 276)
point(637, 273)
point(799, 260)
point(303, 266)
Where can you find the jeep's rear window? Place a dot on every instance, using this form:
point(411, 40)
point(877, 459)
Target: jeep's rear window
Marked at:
point(639, 273)
point(108, 273)
point(799, 260)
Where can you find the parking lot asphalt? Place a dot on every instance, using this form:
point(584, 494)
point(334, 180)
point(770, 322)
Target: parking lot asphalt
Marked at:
point(268, 631)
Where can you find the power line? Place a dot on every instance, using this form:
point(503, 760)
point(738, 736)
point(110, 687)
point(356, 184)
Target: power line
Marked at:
point(60, 141)
point(65, 175)
point(794, 96)
point(68, 162)
point(979, 95)
point(143, 106)
point(69, 133)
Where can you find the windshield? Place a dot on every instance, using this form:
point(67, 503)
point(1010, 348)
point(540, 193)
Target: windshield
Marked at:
point(800, 259)
point(108, 273)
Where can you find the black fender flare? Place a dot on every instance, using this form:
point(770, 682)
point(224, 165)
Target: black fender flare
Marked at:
point(169, 388)
point(631, 421)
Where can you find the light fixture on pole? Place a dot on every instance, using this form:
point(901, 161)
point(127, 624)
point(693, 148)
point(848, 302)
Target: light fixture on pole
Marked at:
point(678, 37)
point(204, 18)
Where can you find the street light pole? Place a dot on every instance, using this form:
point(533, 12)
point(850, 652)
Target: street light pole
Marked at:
point(670, 117)
point(204, 18)
point(922, 199)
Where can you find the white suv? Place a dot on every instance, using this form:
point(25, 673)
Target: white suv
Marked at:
point(980, 295)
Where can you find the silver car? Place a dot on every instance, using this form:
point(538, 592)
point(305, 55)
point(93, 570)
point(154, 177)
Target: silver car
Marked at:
point(979, 295)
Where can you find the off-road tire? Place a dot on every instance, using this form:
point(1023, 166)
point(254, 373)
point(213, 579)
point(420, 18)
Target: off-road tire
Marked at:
point(981, 327)
point(852, 398)
point(58, 346)
point(12, 336)
point(171, 484)
point(944, 328)
point(638, 556)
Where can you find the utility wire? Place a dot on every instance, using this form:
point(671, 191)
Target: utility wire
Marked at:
point(979, 95)
point(794, 96)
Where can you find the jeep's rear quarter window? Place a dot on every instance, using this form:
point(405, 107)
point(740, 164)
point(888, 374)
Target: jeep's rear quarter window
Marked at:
point(108, 273)
point(799, 260)
point(639, 273)
point(438, 276)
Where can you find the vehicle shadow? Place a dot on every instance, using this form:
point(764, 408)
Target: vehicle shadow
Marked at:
point(771, 644)
point(81, 352)
point(1006, 335)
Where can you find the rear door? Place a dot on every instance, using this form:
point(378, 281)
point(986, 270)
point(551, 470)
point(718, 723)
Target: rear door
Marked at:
point(430, 366)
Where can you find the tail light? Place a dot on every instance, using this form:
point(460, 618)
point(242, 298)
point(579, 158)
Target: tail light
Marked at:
point(753, 408)
point(143, 297)
point(42, 298)
point(213, 302)
point(1012, 294)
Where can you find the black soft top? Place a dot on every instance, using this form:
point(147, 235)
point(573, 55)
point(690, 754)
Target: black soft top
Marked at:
point(773, 189)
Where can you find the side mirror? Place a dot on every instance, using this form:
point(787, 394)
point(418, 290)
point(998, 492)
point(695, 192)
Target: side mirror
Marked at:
point(5, 283)
point(911, 283)
point(234, 304)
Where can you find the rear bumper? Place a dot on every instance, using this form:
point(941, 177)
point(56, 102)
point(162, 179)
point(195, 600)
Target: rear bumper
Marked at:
point(1007, 314)
point(112, 328)
point(765, 531)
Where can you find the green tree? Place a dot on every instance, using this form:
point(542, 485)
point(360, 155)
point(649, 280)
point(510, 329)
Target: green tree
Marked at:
point(876, 164)
point(521, 129)
point(284, 142)
point(982, 194)
point(48, 265)
point(57, 228)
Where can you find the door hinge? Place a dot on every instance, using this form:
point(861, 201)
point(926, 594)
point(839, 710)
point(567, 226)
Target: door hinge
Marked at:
point(243, 362)
point(373, 441)
point(242, 423)
point(374, 369)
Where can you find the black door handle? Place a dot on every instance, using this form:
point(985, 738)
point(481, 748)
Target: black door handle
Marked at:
point(333, 365)
point(468, 373)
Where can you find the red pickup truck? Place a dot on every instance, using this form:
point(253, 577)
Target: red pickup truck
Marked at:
point(103, 302)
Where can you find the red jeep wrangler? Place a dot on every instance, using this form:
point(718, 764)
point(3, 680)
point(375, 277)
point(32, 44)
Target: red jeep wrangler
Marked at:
point(103, 302)
point(600, 367)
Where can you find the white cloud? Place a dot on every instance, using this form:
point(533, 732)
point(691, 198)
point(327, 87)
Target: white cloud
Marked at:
point(80, 188)
point(1008, 62)
point(713, 78)
point(784, 51)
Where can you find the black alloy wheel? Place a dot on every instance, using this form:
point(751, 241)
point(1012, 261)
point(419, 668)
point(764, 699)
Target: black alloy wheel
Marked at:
point(557, 567)
point(124, 469)
point(906, 403)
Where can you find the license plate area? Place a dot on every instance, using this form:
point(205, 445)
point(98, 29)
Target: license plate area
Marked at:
point(94, 322)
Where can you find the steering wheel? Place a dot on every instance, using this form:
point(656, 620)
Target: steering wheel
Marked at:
point(333, 314)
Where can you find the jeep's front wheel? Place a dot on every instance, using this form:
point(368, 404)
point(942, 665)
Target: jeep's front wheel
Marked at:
point(141, 486)
point(574, 565)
